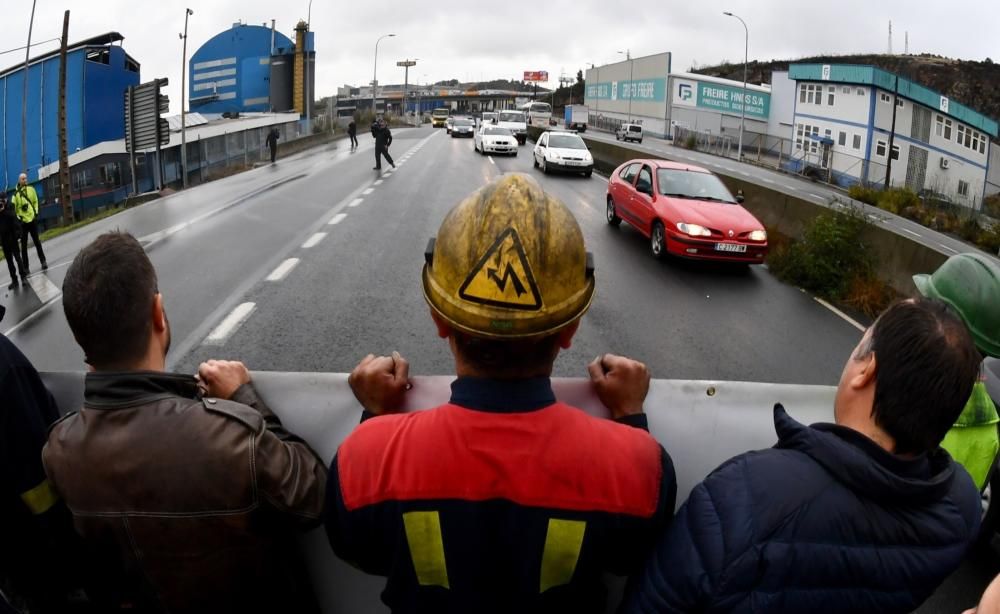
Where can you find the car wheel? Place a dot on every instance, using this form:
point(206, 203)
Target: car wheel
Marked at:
point(658, 240)
point(545, 167)
point(588, 174)
point(640, 141)
point(534, 159)
point(617, 137)
point(613, 219)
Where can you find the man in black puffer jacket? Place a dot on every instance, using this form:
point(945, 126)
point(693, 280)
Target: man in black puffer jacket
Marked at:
point(865, 515)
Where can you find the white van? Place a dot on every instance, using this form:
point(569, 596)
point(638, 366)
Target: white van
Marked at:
point(629, 132)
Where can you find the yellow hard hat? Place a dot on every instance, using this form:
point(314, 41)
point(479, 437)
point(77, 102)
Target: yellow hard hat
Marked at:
point(509, 262)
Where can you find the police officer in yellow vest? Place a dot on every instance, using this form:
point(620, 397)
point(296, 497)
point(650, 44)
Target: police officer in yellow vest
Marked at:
point(25, 201)
point(970, 285)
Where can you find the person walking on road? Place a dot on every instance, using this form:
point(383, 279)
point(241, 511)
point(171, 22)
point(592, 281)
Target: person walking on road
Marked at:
point(383, 139)
point(9, 234)
point(352, 132)
point(504, 499)
point(25, 201)
point(272, 143)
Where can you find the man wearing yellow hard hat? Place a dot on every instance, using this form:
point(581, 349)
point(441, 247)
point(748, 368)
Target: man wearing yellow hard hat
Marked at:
point(504, 498)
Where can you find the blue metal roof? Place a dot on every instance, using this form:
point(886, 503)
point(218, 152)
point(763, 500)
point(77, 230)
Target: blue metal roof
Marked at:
point(871, 75)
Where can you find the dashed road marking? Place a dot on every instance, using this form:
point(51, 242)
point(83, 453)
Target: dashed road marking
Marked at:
point(337, 218)
point(230, 324)
point(313, 240)
point(840, 313)
point(945, 247)
point(379, 182)
point(916, 234)
point(766, 180)
point(355, 202)
point(491, 161)
point(368, 191)
point(283, 270)
point(44, 288)
point(815, 196)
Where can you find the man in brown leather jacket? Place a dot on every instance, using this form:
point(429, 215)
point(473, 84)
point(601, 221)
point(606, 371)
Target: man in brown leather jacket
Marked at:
point(187, 490)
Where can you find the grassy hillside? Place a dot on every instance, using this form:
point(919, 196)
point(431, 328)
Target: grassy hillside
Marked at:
point(974, 84)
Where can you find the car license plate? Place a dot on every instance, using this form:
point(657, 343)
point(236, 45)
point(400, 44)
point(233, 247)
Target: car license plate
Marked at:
point(730, 247)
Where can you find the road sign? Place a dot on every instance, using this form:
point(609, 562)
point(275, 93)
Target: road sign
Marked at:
point(143, 127)
point(406, 63)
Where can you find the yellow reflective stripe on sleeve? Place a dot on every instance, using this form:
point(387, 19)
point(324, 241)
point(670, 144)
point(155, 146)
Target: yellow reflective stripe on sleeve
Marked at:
point(40, 498)
point(562, 549)
point(423, 534)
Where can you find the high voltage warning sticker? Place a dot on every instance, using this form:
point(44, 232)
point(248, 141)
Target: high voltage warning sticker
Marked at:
point(503, 278)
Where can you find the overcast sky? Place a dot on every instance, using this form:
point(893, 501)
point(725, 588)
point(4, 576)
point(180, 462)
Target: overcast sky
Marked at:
point(487, 40)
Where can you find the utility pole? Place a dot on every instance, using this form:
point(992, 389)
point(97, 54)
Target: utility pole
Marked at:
point(746, 60)
point(375, 74)
point(184, 165)
point(892, 132)
point(65, 194)
point(24, 99)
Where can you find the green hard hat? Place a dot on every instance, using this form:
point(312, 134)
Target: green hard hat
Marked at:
point(970, 284)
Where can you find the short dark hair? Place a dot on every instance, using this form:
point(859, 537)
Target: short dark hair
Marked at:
point(927, 364)
point(108, 298)
point(508, 359)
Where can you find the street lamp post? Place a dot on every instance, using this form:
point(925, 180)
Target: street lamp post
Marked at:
point(306, 64)
point(746, 59)
point(631, 89)
point(375, 71)
point(184, 37)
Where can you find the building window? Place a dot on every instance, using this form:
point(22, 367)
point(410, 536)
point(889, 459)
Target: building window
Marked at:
point(857, 141)
point(895, 152)
point(963, 188)
point(811, 94)
point(829, 96)
point(861, 91)
point(803, 140)
point(899, 103)
point(131, 65)
point(880, 148)
point(845, 90)
point(99, 56)
point(842, 141)
point(884, 97)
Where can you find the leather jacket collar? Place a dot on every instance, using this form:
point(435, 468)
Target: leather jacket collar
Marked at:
point(116, 389)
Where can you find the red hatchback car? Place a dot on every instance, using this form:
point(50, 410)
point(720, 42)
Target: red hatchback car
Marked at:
point(686, 211)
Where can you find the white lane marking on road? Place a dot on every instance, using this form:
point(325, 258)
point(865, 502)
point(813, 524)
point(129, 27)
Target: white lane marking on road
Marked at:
point(313, 240)
point(815, 196)
point(840, 313)
point(355, 202)
point(492, 162)
point(230, 324)
point(916, 234)
point(766, 180)
point(792, 188)
point(379, 182)
point(945, 247)
point(44, 288)
point(368, 191)
point(337, 218)
point(283, 270)
point(744, 173)
point(389, 174)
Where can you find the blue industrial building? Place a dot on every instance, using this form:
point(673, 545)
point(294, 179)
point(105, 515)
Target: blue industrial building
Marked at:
point(97, 74)
point(250, 68)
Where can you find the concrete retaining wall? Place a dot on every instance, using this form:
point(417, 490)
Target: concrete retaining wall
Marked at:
point(897, 257)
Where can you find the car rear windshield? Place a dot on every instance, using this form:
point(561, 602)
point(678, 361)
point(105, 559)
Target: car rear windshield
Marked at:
point(566, 141)
point(463, 122)
point(512, 117)
point(692, 184)
point(497, 131)
point(635, 128)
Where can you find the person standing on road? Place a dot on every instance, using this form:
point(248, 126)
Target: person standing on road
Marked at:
point(9, 234)
point(383, 139)
point(970, 285)
point(187, 490)
point(352, 132)
point(866, 515)
point(503, 499)
point(272, 143)
point(25, 201)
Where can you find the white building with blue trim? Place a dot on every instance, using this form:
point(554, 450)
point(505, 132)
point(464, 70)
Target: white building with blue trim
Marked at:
point(849, 120)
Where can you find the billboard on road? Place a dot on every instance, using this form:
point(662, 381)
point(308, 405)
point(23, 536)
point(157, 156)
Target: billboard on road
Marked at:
point(536, 76)
point(722, 98)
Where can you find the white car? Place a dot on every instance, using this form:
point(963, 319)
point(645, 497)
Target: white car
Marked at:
point(515, 122)
point(629, 132)
point(491, 139)
point(563, 151)
point(489, 117)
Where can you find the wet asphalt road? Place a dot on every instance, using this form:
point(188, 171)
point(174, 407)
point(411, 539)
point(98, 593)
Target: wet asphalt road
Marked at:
point(358, 239)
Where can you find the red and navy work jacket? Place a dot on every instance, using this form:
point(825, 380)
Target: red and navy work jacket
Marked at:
point(502, 500)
